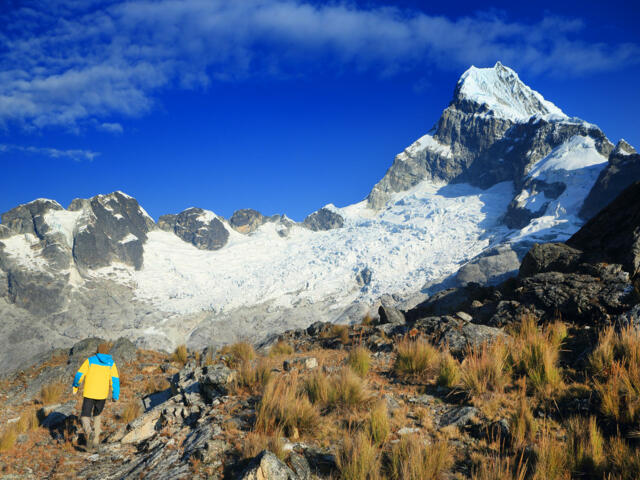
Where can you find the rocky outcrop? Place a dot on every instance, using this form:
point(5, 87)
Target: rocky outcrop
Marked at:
point(491, 268)
point(323, 219)
point(266, 466)
point(111, 228)
point(614, 234)
point(621, 171)
point(247, 220)
point(550, 257)
point(201, 228)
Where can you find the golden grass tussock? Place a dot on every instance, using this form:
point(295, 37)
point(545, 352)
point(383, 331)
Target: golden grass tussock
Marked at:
point(535, 353)
point(318, 388)
point(282, 407)
point(523, 423)
point(256, 442)
point(378, 423)
point(341, 332)
point(585, 446)
point(281, 348)
point(28, 421)
point(359, 360)
point(412, 459)
point(8, 438)
point(501, 468)
point(551, 459)
point(348, 391)
point(615, 362)
point(358, 459)
point(132, 410)
point(623, 461)
point(448, 374)
point(416, 358)
point(367, 320)
point(240, 352)
point(485, 369)
point(52, 392)
point(255, 375)
point(156, 384)
point(180, 354)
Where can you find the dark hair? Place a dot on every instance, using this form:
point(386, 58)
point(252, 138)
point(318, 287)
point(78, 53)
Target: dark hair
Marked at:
point(104, 347)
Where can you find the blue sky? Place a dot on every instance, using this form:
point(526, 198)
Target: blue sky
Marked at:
point(278, 105)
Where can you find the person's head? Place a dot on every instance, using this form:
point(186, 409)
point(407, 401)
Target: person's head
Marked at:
point(103, 348)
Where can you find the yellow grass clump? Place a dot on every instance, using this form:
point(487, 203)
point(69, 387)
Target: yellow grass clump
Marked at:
point(180, 354)
point(131, 411)
point(358, 459)
point(412, 459)
point(51, 393)
point(416, 358)
point(359, 360)
point(281, 348)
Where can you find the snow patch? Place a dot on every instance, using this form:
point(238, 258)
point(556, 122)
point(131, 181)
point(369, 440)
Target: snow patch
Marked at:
point(129, 238)
point(64, 222)
point(427, 142)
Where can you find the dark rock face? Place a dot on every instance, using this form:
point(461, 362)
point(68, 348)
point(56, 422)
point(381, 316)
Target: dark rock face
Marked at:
point(323, 219)
point(390, 315)
point(37, 292)
point(549, 257)
point(115, 228)
point(622, 170)
point(614, 234)
point(247, 220)
point(198, 227)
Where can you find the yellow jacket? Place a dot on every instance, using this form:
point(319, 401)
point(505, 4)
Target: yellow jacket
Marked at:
point(98, 373)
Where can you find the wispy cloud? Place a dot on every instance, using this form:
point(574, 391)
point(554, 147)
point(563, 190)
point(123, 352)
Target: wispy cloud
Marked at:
point(76, 155)
point(69, 62)
point(111, 127)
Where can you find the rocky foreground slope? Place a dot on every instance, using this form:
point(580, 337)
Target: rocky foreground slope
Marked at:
point(535, 377)
point(502, 169)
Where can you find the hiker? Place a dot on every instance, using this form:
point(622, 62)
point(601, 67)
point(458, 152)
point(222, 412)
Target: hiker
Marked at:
point(98, 372)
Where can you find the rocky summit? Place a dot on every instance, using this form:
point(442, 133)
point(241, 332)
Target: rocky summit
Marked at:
point(503, 169)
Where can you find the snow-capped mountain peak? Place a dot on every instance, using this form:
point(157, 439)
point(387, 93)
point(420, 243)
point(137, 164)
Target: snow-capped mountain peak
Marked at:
point(504, 95)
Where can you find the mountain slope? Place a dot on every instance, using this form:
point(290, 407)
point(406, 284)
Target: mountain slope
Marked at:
point(504, 168)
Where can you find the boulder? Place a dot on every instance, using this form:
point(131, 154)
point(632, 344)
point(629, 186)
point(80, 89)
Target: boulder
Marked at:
point(458, 417)
point(491, 268)
point(390, 315)
point(143, 428)
point(549, 257)
point(123, 351)
point(323, 219)
point(303, 363)
point(470, 335)
point(52, 416)
point(266, 466)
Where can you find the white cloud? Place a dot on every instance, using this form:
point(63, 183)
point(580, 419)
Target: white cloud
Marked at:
point(115, 128)
point(69, 62)
point(76, 155)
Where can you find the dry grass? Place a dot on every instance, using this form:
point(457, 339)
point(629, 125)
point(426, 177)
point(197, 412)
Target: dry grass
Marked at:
point(535, 353)
point(281, 348)
point(358, 459)
point(52, 393)
point(378, 423)
point(240, 352)
point(348, 391)
point(8, 439)
point(367, 320)
point(485, 369)
point(623, 461)
point(551, 462)
point(180, 354)
point(283, 408)
point(256, 442)
point(318, 388)
point(156, 384)
point(28, 421)
point(523, 423)
point(359, 360)
point(585, 446)
point(416, 358)
point(340, 332)
point(131, 411)
point(255, 375)
point(501, 468)
point(449, 373)
point(616, 364)
point(411, 459)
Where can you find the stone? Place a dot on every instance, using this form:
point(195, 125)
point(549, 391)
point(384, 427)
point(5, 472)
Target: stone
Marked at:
point(300, 466)
point(142, 428)
point(124, 351)
point(390, 315)
point(464, 316)
point(247, 220)
point(407, 431)
point(550, 257)
point(216, 380)
point(323, 219)
point(53, 416)
point(491, 268)
point(458, 417)
point(266, 466)
point(470, 335)
point(303, 363)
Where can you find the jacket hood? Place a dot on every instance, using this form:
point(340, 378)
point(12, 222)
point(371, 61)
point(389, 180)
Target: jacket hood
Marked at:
point(104, 358)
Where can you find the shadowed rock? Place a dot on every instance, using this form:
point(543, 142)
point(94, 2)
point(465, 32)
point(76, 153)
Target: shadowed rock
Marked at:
point(201, 228)
point(323, 219)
